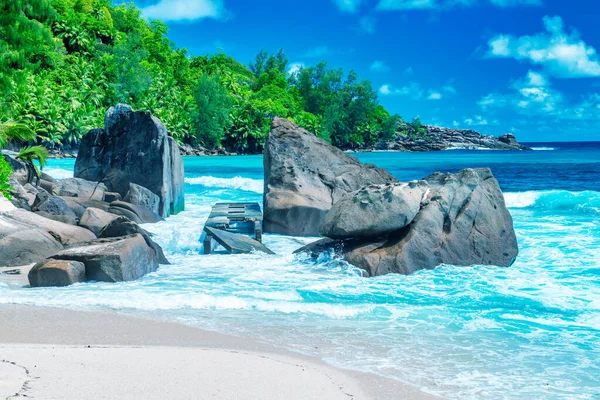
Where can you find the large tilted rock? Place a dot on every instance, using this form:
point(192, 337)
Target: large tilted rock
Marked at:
point(305, 176)
point(56, 273)
point(462, 220)
point(26, 237)
point(113, 260)
point(25, 245)
point(133, 147)
point(63, 233)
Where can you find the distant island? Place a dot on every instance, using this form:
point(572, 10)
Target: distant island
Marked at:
point(434, 138)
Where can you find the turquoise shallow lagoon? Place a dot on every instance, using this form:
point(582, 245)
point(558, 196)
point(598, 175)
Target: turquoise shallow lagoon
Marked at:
point(529, 331)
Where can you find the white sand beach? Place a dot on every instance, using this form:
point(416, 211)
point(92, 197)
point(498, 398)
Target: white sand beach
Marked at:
point(51, 353)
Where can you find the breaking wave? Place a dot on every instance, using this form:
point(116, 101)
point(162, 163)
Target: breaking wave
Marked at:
point(556, 200)
point(59, 173)
point(238, 182)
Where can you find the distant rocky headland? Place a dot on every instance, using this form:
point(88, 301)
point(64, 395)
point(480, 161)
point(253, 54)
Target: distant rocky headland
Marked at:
point(435, 138)
point(409, 138)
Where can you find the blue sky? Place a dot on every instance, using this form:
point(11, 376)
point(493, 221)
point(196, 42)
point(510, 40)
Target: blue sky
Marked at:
point(529, 67)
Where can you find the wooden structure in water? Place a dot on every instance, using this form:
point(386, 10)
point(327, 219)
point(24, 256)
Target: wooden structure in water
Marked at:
point(235, 226)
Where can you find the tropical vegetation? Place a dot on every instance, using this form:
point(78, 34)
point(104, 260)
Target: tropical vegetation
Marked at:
point(64, 62)
point(19, 133)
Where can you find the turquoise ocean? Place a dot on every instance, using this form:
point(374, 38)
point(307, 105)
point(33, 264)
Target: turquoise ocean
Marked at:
point(480, 332)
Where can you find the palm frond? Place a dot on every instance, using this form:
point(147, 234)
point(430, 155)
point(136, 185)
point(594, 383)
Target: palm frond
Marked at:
point(12, 131)
point(33, 153)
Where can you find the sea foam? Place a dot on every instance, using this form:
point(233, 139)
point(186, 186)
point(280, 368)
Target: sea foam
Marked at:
point(238, 182)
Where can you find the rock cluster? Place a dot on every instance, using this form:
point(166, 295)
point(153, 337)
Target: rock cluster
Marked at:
point(76, 229)
point(439, 138)
point(305, 176)
point(133, 148)
point(375, 222)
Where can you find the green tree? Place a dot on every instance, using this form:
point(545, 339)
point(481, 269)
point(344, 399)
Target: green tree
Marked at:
point(213, 108)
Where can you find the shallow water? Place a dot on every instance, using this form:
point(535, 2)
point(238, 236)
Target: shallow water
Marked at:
point(462, 332)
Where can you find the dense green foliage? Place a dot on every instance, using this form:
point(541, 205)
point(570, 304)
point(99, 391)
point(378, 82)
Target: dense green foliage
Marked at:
point(64, 62)
point(5, 171)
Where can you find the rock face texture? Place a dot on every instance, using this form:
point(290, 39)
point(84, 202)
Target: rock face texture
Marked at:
point(76, 187)
point(305, 176)
point(373, 211)
point(113, 260)
point(133, 147)
point(56, 206)
point(462, 220)
point(141, 196)
point(438, 138)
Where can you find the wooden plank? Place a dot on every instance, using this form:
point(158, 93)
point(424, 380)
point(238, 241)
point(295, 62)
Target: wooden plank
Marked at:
point(236, 243)
point(237, 218)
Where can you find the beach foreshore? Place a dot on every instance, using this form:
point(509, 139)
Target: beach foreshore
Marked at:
point(53, 353)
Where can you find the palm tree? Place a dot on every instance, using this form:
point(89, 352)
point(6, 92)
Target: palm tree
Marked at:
point(14, 132)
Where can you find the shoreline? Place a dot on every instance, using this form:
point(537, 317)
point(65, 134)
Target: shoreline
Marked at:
point(45, 351)
point(74, 156)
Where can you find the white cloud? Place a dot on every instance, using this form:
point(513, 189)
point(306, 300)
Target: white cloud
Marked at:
point(477, 120)
point(412, 90)
point(416, 92)
point(184, 10)
point(367, 24)
point(561, 54)
point(385, 90)
point(349, 6)
point(379, 66)
point(449, 89)
point(433, 95)
point(534, 95)
point(474, 121)
point(448, 4)
point(294, 68)
point(318, 51)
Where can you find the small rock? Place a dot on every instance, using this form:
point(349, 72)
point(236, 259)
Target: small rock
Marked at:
point(56, 273)
point(95, 219)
